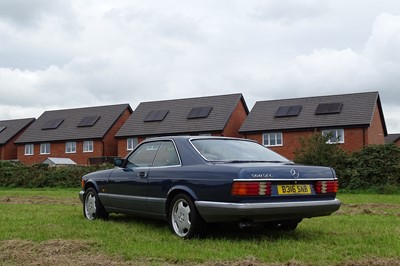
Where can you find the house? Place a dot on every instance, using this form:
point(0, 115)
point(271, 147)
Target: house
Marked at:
point(10, 130)
point(213, 115)
point(352, 120)
point(81, 134)
point(393, 138)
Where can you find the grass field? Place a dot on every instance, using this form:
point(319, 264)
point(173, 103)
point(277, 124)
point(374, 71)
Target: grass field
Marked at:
point(46, 227)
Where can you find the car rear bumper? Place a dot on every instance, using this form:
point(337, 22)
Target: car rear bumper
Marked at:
point(263, 212)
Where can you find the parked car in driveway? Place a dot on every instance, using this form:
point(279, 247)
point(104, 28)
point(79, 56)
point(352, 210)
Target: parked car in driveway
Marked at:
point(193, 181)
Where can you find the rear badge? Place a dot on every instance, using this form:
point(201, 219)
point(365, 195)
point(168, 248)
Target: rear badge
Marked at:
point(295, 174)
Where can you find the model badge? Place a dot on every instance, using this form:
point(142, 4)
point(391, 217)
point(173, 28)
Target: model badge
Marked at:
point(295, 174)
point(261, 175)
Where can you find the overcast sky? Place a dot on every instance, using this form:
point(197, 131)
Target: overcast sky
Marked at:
point(57, 54)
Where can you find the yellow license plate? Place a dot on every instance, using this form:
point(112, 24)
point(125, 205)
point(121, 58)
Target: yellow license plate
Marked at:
point(293, 189)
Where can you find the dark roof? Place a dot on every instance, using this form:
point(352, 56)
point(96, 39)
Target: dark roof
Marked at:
point(173, 116)
point(10, 128)
point(392, 138)
point(345, 110)
point(61, 125)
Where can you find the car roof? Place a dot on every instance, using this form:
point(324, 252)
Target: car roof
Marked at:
point(194, 138)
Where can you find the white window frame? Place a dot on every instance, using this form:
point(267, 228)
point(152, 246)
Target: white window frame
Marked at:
point(337, 133)
point(268, 137)
point(29, 149)
point(45, 148)
point(70, 147)
point(88, 146)
point(131, 143)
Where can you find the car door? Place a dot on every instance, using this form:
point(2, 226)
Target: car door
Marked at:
point(128, 186)
point(161, 176)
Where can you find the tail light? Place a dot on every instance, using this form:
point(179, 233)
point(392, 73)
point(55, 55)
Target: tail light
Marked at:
point(245, 188)
point(323, 187)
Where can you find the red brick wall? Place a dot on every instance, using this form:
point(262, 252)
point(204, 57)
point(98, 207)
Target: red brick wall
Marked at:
point(9, 150)
point(397, 142)
point(110, 142)
point(354, 140)
point(235, 121)
point(57, 149)
point(376, 133)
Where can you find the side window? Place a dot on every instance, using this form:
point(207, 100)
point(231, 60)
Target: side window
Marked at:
point(166, 155)
point(144, 155)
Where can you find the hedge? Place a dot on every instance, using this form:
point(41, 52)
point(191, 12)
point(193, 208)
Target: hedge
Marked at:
point(374, 167)
point(39, 176)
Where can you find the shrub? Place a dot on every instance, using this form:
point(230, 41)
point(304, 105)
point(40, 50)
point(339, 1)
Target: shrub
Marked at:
point(375, 167)
point(37, 176)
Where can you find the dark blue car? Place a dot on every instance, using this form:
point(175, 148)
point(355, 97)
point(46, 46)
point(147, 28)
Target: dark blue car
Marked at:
point(191, 181)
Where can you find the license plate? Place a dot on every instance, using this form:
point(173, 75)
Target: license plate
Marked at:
point(293, 189)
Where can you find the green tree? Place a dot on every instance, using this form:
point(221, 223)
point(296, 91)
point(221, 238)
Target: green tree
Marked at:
point(314, 150)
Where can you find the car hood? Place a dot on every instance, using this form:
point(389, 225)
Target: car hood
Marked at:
point(99, 174)
point(282, 171)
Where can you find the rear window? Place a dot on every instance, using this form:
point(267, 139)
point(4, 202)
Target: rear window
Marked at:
point(226, 150)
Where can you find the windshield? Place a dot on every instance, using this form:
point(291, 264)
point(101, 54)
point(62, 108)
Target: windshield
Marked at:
point(235, 150)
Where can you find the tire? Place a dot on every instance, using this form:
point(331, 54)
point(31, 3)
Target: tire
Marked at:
point(92, 207)
point(184, 220)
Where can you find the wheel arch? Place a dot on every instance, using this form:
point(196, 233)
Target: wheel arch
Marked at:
point(178, 190)
point(91, 183)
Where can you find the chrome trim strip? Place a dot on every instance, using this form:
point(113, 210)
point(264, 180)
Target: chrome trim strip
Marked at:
point(265, 205)
point(284, 179)
point(136, 198)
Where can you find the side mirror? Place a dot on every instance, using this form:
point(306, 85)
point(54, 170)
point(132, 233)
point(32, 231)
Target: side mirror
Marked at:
point(118, 162)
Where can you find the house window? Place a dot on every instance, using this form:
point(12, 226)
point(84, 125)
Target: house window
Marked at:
point(88, 146)
point(131, 143)
point(70, 147)
point(45, 148)
point(335, 135)
point(272, 139)
point(29, 149)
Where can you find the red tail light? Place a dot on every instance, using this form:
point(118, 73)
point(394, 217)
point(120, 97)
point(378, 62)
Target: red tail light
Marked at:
point(323, 187)
point(244, 188)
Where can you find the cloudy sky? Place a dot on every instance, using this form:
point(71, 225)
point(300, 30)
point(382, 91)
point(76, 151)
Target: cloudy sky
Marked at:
point(57, 54)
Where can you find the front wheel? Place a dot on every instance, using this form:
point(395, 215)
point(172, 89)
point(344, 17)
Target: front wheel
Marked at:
point(92, 207)
point(184, 220)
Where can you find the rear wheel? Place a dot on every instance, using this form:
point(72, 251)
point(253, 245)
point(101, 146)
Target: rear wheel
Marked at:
point(184, 220)
point(92, 207)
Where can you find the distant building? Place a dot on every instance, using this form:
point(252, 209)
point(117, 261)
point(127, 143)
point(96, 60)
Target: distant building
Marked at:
point(10, 130)
point(82, 134)
point(352, 120)
point(393, 138)
point(213, 115)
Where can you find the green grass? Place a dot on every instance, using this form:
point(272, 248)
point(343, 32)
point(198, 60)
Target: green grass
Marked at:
point(366, 227)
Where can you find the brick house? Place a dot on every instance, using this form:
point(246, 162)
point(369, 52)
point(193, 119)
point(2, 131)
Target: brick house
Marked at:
point(213, 115)
point(353, 120)
point(10, 130)
point(393, 138)
point(84, 135)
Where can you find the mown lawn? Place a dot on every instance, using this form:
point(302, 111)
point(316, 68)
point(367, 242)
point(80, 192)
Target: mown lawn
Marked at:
point(366, 228)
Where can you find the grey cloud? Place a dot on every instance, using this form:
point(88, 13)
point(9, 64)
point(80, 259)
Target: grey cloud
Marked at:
point(29, 13)
point(288, 12)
